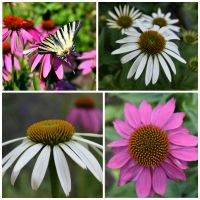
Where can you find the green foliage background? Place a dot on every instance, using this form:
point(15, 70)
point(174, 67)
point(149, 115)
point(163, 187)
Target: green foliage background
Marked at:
point(112, 74)
point(114, 109)
point(20, 111)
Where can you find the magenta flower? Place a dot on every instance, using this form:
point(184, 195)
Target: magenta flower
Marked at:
point(89, 62)
point(154, 147)
point(8, 61)
point(47, 27)
point(85, 115)
point(13, 28)
point(48, 61)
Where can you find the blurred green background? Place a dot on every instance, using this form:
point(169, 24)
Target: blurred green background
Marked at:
point(112, 74)
point(114, 109)
point(21, 110)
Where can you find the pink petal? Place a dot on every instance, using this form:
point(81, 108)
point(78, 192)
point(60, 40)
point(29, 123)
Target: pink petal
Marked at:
point(159, 180)
point(8, 62)
point(36, 61)
point(83, 120)
point(186, 154)
point(6, 34)
point(119, 149)
point(26, 35)
point(86, 64)
point(14, 41)
point(118, 143)
point(86, 71)
point(180, 130)
point(16, 64)
point(155, 112)
point(73, 116)
point(46, 65)
point(118, 160)
point(88, 55)
point(58, 68)
point(143, 183)
point(175, 121)
point(165, 113)
point(173, 172)
point(183, 140)
point(179, 163)
point(145, 111)
point(132, 115)
point(122, 128)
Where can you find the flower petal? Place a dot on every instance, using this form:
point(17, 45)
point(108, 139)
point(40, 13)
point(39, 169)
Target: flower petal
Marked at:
point(143, 183)
point(46, 65)
point(145, 111)
point(36, 61)
point(13, 41)
point(40, 167)
point(58, 68)
point(159, 180)
point(62, 169)
point(118, 143)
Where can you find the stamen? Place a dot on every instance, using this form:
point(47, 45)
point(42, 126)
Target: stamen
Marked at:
point(13, 22)
point(48, 25)
point(85, 102)
point(125, 21)
point(159, 21)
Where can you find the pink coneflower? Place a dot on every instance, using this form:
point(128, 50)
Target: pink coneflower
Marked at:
point(154, 147)
point(47, 62)
point(89, 62)
point(47, 27)
point(84, 113)
point(13, 28)
point(10, 59)
point(6, 75)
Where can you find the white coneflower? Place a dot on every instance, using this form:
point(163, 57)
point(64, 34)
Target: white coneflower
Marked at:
point(151, 47)
point(123, 18)
point(52, 140)
point(160, 19)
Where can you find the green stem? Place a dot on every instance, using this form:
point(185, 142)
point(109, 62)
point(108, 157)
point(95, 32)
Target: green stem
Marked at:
point(11, 8)
point(53, 178)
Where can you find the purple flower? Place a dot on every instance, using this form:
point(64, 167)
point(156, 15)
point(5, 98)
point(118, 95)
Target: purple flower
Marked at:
point(9, 59)
point(13, 28)
point(154, 147)
point(85, 115)
point(64, 85)
point(47, 62)
point(89, 62)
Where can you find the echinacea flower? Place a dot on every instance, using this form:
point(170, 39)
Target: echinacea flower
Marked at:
point(13, 28)
point(151, 48)
point(86, 115)
point(64, 85)
point(160, 19)
point(154, 147)
point(10, 60)
point(123, 18)
point(47, 27)
point(48, 61)
point(89, 62)
point(51, 140)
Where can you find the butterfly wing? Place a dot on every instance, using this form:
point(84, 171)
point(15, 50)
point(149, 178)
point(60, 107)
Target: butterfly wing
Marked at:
point(61, 40)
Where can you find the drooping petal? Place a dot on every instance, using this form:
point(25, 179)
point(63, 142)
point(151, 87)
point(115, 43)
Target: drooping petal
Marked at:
point(143, 183)
point(159, 180)
point(156, 70)
point(46, 65)
point(16, 64)
point(23, 160)
point(73, 116)
point(40, 167)
point(62, 169)
point(58, 68)
point(38, 58)
point(8, 62)
point(118, 143)
point(145, 111)
point(14, 41)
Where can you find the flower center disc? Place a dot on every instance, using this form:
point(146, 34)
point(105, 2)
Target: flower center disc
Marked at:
point(159, 21)
point(151, 42)
point(148, 145)
point(6, 48)
point(28, 24)
point(125, 21)
point(13, 22)
point(48, 25)
point(50, 132)
point(85, 102)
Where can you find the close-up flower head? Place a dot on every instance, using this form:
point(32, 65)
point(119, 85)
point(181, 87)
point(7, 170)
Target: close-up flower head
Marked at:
point(154, 147)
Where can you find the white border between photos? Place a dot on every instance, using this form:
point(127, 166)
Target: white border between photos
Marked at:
point(97, 91)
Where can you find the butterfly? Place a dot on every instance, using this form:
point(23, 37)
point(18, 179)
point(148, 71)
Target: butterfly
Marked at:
point(62, 43)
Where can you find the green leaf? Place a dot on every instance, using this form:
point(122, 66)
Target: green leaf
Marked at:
point(36, 82)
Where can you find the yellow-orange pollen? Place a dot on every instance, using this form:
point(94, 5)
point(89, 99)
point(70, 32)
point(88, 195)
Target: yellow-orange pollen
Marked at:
point(148, 145)
point(85, 102)
point(50, 132)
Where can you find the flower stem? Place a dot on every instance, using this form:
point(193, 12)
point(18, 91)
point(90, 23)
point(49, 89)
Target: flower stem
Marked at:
point(53, 178)
point(11, 8)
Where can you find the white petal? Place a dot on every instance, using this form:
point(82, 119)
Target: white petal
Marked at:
point(128, 39)
point(165, 67)
point(97, 150)
point(172, 48)
point(13, 141)
point(73, 155)
point(89, 160)
point(15, 155)
point(169, 60)
point(40, 167)
point(125, 49)
point(149, 70)
point(172, 37)
point(23, 160)
point(112, 15)
point(90, 134)
point(173, 21)
point(174, 28)
point(155, 70)
point(62, 169)
point(130, 56)
point(141, 67)
point(134, 66)
point(175, 56)
point(117, 11)
point(168, 15)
